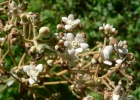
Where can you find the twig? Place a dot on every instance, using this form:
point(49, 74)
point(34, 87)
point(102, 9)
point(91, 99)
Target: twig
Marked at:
point(4, 3)
point(21, 60)
point(50, 83)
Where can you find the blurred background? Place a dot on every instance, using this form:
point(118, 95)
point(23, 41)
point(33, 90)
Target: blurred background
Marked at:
point(124, 15)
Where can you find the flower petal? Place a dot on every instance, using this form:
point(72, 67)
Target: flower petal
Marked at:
point(115, 47)
point(26, 68)
point(70, 37)
point(79, 50)
point(71, 17)
point(79, 38)
point(77, 21)
point(71, 51)
point(119, 61)
point(107, 62)
point(68, 27)
point(32, 66)
point(120, 44)
point(66, 43)
point(84, 45)
point(39, 67)
point(106, 52)
point(115, 97)
point(109, 49)
point(117, 90)
point(64, 19)
point(125, 51)
point(32, 80)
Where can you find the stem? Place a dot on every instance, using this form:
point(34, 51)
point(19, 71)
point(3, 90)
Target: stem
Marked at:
point(105, 83)
point(50, 83)
point(25, 86)
point(88, 53)
point(34, 31)
point(11, 54)
point(97, 70)
point(23, 56)
point(105, 39)
point(25, 30)
point(4, 56)
point(56, 75)
point(125, 75)
point(110, 82)
point(4, 3)
point(30, 31)
point(28, 41)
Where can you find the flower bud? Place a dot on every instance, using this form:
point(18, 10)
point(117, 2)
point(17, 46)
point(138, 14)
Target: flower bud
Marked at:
point(50, 62)
point(93, 61)
point(40, 49)
point(44, 32)
point(23, 18)
point(56, 47)
point(101, 28)
point(60, 26)
point(33, 49)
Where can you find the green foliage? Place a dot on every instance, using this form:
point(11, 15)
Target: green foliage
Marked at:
point(124, 15)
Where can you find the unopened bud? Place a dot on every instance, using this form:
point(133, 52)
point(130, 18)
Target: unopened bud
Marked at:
point(56, 47)
point(44, 32)
point(101, 28)
point(60, 26)
point(33, 49)
point(50, 62)
point(93, 61)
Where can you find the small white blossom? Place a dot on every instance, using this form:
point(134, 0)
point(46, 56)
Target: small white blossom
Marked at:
point(116, 93)
point(14, 9)
point(107, 27)
point(81, 80)
point(105, 55)
point(75, 44)
point(70, 22)
point(71, 59)
point(120, 49)
point(119, 61)
point(33, 72)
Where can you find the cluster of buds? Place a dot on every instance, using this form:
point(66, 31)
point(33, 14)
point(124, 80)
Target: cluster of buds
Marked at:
point(14, 36)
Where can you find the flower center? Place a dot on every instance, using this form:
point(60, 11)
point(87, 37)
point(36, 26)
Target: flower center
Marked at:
point(70, 22)
point(33, 73)
point(75, 44)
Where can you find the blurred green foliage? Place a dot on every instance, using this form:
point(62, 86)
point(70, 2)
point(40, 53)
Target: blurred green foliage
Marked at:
point(124, 15)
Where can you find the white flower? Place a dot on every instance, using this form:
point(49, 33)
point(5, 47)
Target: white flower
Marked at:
point(70, 22)
point(120, 50)
point(105, 54)
point(75, 44)
point(71, 59)
point(119, 61)
point(116, 93)
point(14, 9)
point(33, 72)
point(107, 27)
point(81, 80)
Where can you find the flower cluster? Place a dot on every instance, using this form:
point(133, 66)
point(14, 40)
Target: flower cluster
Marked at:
point(104, 69)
